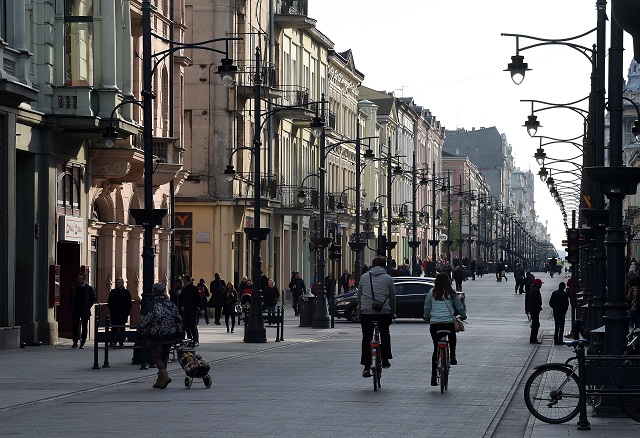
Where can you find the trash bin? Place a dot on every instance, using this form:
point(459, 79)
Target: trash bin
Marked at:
point(307, 307)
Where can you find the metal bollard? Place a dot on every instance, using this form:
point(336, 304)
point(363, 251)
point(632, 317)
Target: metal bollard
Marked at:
point(95, 342)
point(107, 325)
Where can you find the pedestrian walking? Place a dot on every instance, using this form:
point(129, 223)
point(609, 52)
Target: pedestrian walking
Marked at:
point(190, 304)
point(344, 281)
point(81, 300)
point(203, 290)
point(533, 307)
point(481, 267)
point(559, 303)
point(271, 295)
point(297, 288)
point(119, 304)
point(458, 277)
point(519, 274)
point(216, 302)
point(175, 292)
point(161, 325)
point(229, 300)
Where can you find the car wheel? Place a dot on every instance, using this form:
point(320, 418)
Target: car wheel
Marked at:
point(352, 314)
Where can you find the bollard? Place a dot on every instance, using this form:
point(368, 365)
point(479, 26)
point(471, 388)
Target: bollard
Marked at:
point(583, 422)
point(107, 324)
point(282, 323)
point(95, 341)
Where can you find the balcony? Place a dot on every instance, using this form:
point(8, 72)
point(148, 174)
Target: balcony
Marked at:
point(292, 14)
point(14, 90)
point(245, 80)
point(297, 97)
point(243, 186)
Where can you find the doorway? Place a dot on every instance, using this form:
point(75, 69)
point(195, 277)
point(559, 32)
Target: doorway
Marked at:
point(68, 257)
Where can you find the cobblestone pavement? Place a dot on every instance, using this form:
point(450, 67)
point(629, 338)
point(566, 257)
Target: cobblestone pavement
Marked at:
point(307, 386)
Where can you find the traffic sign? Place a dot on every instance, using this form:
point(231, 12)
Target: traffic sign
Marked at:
point(443, 237)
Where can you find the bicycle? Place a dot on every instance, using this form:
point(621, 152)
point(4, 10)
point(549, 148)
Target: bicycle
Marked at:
point(443, 363)
point(556, 392)
point(376, 357)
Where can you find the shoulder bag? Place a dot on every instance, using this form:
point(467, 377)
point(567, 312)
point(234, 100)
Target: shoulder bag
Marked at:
point(377, 305)
point(458, 325)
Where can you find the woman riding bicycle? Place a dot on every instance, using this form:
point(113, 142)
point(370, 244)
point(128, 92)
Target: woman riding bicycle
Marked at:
point(384, 292)
point(439, 305)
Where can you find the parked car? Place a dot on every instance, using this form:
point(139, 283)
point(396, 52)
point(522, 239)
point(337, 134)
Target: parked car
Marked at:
point(410, 295)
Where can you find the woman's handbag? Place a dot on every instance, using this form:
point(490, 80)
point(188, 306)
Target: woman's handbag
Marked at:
point(238, 309)
point(458, 325)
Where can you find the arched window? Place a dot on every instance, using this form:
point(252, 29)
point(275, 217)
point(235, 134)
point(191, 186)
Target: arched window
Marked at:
point(68, 190)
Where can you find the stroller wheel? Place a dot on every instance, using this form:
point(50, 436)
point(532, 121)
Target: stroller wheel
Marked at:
point(187, 382)
point(207, 381)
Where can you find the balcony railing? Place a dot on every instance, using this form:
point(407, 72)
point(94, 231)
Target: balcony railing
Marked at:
point(292, 7)
point(243, 186)
point(246, 78)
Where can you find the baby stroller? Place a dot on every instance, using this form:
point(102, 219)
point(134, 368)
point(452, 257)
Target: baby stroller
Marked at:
point(243, 308)
point(194, 366)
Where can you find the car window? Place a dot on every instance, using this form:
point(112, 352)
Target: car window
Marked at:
point(412, 289)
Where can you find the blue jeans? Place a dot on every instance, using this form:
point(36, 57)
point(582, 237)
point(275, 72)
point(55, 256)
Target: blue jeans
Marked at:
point(271, 309)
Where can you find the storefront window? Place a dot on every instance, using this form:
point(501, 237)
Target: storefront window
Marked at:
point(78, 48)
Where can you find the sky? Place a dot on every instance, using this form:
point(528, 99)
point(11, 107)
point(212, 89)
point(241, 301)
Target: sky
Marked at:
point(449, 56)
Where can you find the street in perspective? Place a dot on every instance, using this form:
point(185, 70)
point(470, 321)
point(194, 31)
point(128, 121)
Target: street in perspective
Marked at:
point(308, 385)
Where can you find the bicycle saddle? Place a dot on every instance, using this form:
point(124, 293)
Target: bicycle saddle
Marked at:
point(577, 342)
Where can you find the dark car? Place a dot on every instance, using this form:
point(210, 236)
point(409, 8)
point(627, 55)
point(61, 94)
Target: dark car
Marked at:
point(410, 295)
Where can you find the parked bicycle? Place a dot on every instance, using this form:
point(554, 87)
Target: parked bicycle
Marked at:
point(443, 364)
point(376, 357)
point(556, 392)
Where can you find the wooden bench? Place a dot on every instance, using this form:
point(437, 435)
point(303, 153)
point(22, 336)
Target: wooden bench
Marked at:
point(277, 319)
point(110, 338)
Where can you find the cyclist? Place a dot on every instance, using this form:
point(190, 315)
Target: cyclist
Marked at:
point(441, 302)
point(385, 293)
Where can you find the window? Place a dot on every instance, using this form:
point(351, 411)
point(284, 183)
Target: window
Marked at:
point(68, 197)
point(183, 252)
point(78, 42)
point(3, 19)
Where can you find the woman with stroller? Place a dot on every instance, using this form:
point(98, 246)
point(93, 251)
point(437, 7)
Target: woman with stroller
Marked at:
point(162, 326)
point(229, 300)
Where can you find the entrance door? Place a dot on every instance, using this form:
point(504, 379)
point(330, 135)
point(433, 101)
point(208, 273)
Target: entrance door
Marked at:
point(68, 257)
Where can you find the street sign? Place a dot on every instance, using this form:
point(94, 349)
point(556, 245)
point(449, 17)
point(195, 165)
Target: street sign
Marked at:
point(443, 237)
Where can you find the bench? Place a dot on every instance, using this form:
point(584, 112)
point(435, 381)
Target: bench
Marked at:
point(109, 338)
point(277, 319)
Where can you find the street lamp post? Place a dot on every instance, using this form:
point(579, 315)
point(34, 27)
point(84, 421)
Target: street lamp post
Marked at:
point(149, 216)
point(415, 270)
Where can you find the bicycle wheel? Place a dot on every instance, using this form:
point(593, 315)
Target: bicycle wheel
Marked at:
point(378, 376)
point(444, 372)
point(631, 405)
point(552, 394)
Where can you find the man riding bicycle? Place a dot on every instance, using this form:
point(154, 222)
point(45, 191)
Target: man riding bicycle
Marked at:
point(441, 303)
point(384, 292)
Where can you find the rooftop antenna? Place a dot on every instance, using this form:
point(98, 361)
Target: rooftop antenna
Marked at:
point(401, 89)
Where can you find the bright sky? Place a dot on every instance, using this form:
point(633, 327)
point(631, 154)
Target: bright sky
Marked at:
point(449, 56)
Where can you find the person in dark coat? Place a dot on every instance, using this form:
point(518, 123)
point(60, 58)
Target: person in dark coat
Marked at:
point(82, 298)
point(229, 299)
point(297, 288)
point(270, 296)
point(203, 290)
point(190, 304)
point(458, 277)
point(344, 281)
point(119, 304)
point(533, 307)
point(217, 289)
point(519, 275)
point(175, 292)
point(559, 302)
